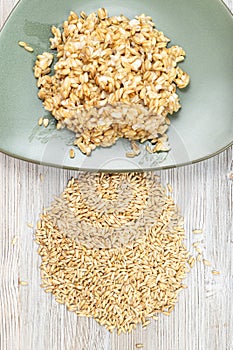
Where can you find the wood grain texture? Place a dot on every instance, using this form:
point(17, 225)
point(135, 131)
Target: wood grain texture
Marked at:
point(31, 320)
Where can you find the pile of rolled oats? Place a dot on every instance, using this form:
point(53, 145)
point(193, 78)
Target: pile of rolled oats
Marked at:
point(114, 78)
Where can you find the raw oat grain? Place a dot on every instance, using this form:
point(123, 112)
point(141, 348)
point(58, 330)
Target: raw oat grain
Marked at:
point(121, 286)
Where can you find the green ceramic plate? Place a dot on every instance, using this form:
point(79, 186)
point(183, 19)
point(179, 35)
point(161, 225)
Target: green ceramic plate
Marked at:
point(202, 128)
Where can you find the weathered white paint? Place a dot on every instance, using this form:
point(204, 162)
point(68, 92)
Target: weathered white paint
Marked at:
point(32, 320)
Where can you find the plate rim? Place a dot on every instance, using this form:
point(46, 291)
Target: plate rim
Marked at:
point(156, 168)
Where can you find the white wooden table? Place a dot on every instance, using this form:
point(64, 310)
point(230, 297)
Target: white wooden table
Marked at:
point(31, 320)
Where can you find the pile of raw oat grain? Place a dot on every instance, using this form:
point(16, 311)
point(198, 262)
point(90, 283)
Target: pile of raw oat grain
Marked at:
point(135, 278)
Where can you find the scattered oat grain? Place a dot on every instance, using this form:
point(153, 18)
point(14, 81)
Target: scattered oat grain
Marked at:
point(14, 240)
point(206, 262)
point(130, 154)
point(198, 250)
point(28, 48)
point(145, 324)
point(191, 261)
point(40, 121)
point(149, 149)
point(155, 318)
point(72, 153)
point(197, 231)
point(45, 122)
point(135, 148)
point(166, 313)
point(215, 272)
point(199, 257)
point(22, 43)
point(169, 187)
point(196, 244)
point(23, 283)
